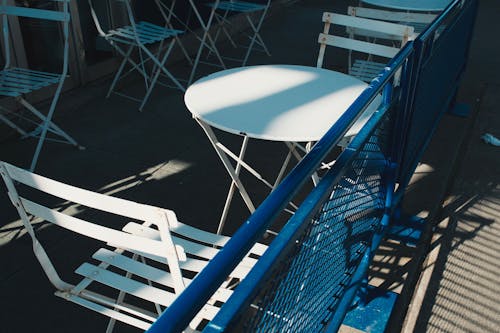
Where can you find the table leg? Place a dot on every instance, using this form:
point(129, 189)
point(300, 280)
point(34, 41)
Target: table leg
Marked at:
point(226, 155)
point(233, 187)
point(234, 173)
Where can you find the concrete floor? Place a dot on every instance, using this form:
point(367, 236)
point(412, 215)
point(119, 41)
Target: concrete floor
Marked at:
point(162, 157)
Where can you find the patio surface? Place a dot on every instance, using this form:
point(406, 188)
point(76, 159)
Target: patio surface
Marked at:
point(161, 157)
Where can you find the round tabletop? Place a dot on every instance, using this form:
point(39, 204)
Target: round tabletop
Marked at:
point(276, 102)
point(412, 5)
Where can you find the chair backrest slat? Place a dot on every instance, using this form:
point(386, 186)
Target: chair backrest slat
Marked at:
point(391, 16)
point(372, 32)
point(114, 237)
point(358, 45)
point(85, 197)
point(399, 31)
point(43, 14)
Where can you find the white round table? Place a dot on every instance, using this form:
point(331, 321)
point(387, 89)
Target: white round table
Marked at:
point(285, 103)
point(275, 102)
point(411, 5)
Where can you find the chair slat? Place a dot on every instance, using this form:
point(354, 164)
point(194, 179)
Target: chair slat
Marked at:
point(143, 325)
point(192, 248)
point(147, 33)
point(42, 14)
point(239, 6)
point(17, 81)
point(135, 267)
point(148, 272)
point(393, 16)
point(32, 72)
point(85, 197)
point(138, 289)
point(368, 24)
point(118, 238)
point(358, 45)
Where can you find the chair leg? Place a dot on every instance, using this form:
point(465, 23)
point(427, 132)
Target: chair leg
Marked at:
point(12, 125)
point(47, 123)
point(262, 44)
point(159, 69)
point(126, 56)
point(255, 36)
point(45, 127)
point(51, 125)
point(203, 41)
point(160, 65)
point(168, 14)
point(222, 20)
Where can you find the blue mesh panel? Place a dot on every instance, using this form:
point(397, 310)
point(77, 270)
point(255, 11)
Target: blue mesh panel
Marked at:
point(305, 289)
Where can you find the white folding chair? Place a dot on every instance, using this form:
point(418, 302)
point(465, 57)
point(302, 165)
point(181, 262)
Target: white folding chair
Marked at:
point(140, 269)
point(153, 44)
point(17, 82)
point(419, 21)
point(254, 13)
point(374, 33)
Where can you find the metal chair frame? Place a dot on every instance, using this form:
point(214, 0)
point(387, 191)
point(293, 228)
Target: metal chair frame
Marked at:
point(248, 9)
point(16, 82)
point(143, 37)
point(152, 258)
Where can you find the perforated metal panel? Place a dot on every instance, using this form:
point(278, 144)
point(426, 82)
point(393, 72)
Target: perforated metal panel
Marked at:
point(306, 287)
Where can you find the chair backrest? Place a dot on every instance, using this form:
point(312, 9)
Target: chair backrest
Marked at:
point(156, 217)
point(417, 20)
point(366, 28)
point(60, 14)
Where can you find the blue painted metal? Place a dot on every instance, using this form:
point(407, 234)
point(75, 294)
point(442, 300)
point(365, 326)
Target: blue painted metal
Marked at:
point(407, 229)
point(388, 146)
point(239, 6)
point(437, 80)
point(144, 32)
point(374, 316)
point(460, 110)
point(34, 13)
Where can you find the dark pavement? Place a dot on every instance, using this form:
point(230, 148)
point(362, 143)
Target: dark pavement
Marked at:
point(161, 157)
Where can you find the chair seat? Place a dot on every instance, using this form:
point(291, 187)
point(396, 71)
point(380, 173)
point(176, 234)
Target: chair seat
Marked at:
point(147, 33)
point(17, 81)
point(120, 270)
point(366, 70)
point(122, 273)
point(239, 6)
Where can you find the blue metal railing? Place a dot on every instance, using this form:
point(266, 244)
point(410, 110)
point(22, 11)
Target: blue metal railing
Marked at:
point(311, 272)
point(442, 53)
